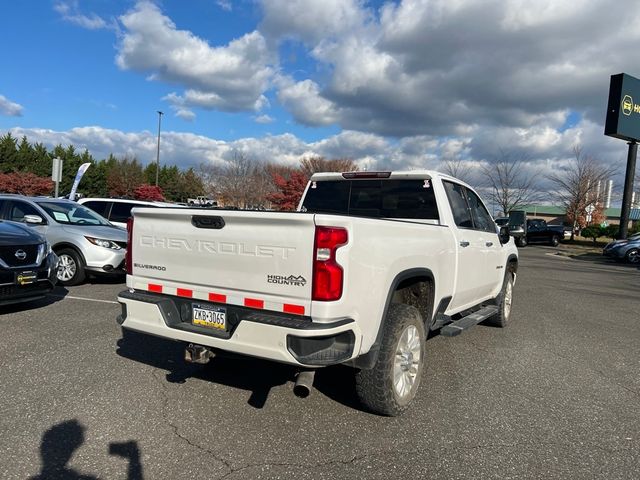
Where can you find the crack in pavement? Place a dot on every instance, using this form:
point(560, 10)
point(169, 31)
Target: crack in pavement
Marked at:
point(353, 458)
point(176, 432)
point(382, 453)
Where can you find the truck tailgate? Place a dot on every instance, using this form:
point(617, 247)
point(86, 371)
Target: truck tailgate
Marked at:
point(242, 254)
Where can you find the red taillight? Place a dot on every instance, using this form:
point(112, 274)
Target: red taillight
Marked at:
point(127, 257)
point(327, 273)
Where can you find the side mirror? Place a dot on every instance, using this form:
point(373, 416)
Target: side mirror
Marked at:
point(504, 234)
point(33, 219)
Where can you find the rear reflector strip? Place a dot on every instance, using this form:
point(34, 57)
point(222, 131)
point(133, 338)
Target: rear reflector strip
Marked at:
point(295, 309)
point(216, 297)
point(253, 303)
point(221, 298)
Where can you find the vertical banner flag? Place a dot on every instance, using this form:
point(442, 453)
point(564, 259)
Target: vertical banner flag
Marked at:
point(83, 168)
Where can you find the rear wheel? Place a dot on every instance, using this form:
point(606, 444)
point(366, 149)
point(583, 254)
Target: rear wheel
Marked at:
point(389, 387)
point(521, 242)
point(505, 299)
point(70, 267)
point(633, 256)
point(555, 241)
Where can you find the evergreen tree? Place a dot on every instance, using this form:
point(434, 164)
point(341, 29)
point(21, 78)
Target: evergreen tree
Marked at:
point(25, 157)
point(8, 153)
point(42, 162)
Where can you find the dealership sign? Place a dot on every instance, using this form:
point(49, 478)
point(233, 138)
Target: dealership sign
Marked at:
point(623, 112)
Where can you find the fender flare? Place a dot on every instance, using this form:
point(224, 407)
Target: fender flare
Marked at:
point(368, 360)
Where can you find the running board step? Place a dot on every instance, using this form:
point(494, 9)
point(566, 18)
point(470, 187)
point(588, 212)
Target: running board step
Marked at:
point(457, 327)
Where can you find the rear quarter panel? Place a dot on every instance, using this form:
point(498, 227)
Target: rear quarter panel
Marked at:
point(377, 252)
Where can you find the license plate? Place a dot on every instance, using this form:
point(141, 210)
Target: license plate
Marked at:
point(26, 278)
point(209, 316)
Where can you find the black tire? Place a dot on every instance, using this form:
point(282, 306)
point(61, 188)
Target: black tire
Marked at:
point(632, 256)
point(555, 241)
point(504, 301)
point(521, 242)
point(70, 267)
point(376, 386)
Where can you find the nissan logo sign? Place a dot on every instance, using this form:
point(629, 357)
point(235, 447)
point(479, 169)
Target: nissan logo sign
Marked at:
point(20, 254)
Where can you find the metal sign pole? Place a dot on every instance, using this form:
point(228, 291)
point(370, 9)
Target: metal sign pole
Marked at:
point(628, 190)
point(56, 174)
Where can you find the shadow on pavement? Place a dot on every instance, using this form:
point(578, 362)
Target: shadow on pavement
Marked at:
point(105, 279)
point(246, 373)
point(57, 294)
point(59, 444)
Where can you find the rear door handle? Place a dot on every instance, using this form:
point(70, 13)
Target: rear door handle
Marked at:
point(464, 244)
point(489, 244)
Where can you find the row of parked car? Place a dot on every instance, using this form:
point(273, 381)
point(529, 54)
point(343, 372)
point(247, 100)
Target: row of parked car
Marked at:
point(45, 241)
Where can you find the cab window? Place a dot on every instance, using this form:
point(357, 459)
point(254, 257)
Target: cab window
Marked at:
point(458, 203)
point(481, 218)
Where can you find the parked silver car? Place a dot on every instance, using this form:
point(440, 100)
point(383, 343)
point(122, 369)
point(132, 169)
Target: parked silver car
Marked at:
point(628, 249)
point(84, 241)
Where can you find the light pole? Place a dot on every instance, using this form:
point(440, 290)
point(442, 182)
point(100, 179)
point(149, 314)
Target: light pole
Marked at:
point(158, 154)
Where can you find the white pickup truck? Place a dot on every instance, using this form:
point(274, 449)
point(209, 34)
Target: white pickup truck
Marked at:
point(370, 263)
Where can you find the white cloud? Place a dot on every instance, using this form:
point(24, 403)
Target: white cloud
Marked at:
point(311, 22)
point(263, 119)
point(441, 67)
point(69, 12)
point(305, 103)
point(186, 114)
point(230, 78)
point(225, 5)
point(368, 150)
point(9, 108)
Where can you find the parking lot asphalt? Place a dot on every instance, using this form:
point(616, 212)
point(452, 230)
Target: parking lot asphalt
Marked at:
point(554, 395)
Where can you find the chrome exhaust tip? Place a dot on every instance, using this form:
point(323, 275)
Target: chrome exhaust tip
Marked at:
point(304, 383)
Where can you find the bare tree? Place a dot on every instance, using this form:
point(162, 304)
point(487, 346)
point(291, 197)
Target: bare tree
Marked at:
point(456, 167)
point(577, 186)
point(509, 185)
point(240, 182)
point(311, 165)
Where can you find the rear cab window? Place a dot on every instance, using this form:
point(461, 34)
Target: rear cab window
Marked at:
point(406, 199)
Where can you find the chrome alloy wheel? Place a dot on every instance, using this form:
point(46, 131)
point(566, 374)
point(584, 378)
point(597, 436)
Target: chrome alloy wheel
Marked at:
point(508, 296)
point(407, 361)
point(633, 256)
point(66, 268)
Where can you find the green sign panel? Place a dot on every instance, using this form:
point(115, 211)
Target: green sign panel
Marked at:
point(623, 113)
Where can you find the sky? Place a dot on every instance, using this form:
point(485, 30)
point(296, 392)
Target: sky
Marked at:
point(391, 84)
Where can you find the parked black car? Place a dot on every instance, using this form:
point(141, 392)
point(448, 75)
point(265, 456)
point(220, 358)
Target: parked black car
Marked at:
point(534, 230)
point(27, 264)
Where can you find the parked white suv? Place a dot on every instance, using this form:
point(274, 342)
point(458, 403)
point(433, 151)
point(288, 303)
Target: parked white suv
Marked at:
point(118, 210)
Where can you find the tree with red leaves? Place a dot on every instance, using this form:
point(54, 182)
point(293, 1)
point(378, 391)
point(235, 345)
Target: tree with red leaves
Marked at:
point(25, 183)
point(148, 192)
point(289, 190)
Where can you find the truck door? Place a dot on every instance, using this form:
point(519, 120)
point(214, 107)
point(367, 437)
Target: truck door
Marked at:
point(489, 243)
point(535, 231)
point(470, 246)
